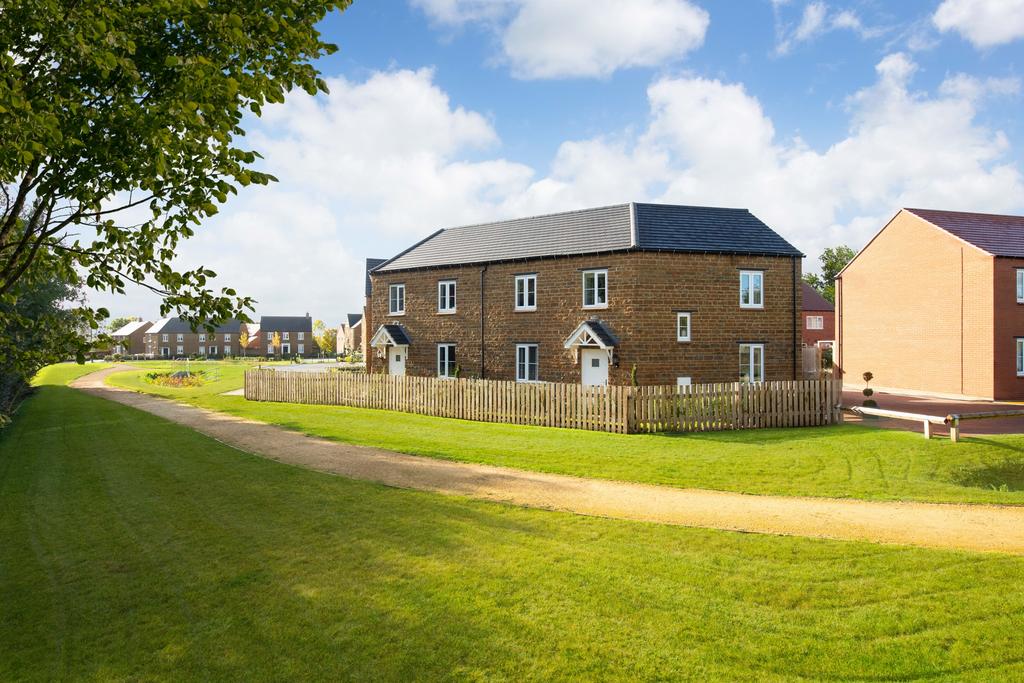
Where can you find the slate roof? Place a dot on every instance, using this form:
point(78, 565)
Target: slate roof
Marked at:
point(286, 323)
point(814, 301)
point(179, 326)
point(372, 263)
point(636, 226)
point(130, 328)
point(397, 334)
point(997, 234)
point(354, 318)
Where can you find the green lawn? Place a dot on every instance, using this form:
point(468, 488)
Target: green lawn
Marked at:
point(135, 549)
point(848, 461)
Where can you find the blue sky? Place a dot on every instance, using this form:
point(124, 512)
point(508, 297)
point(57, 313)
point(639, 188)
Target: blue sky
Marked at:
point(823, 118)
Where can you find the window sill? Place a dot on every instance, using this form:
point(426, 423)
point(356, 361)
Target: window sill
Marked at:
point(683, 341)
point(598, 307)
point(751, 308)
point(447, 312)
point(525, 310)
point(395, 315)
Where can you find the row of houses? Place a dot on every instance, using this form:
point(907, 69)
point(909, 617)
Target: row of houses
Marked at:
point(286, 336)
point(664, 294)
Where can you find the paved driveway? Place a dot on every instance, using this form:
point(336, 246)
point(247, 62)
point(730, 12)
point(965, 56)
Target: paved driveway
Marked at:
point(938, 406)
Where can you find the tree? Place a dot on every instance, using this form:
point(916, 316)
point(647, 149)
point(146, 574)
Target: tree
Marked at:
point(120, 126)
point(243, 340)
point(832, 260)
point(325, 337)
point(275, 341)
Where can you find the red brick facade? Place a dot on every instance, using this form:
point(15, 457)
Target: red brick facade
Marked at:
point(646, 290)
point(827, 332)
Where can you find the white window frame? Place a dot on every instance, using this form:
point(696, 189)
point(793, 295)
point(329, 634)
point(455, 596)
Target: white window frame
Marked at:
point(227, 338)
point(528, 291)
point(680, 317)
point(181, 351)
point(815, 322)
point(202, 337)
point(523, 364)
point(300, 348)
point(301, 336)
point(751, 276)
point(1020, 285)
point(446, 296)
point(180, 338)
point(446, 367)
point(683, 381)
point(202, 350)
point(270, 349)
point(396, 295)
point(212, 351)
point(284, 337)
point(165, 337)
point(753, 369)
point(1020, 356)
point(598, 274)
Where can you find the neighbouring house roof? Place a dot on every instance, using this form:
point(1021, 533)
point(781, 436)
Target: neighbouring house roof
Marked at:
point(131, 328)
point(354, 319)
point(813, 301)
point(997, 234)
point(393, 335)
point(590, 333)
point(372, 263)
point(179, 326)
point(286, 323)
point(623, 227)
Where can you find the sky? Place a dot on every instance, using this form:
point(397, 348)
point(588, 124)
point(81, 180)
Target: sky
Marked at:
point(822, 118)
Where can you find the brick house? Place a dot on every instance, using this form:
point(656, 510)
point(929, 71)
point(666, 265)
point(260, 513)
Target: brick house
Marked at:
point(366, 328)
point(130, 339)
point(350, 334)
point(819, 318)
point(296, 336)
point(934, 305)
point(175, 338)
point(675, 294)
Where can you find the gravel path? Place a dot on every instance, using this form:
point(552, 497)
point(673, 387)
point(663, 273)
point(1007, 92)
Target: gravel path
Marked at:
point(965, 527)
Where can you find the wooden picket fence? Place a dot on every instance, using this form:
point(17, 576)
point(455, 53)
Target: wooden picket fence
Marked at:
point(623, 410)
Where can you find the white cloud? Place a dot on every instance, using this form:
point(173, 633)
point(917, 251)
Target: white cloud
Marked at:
point(817, 19)
point(581, 38)
point(984, 23)
point(377, 164)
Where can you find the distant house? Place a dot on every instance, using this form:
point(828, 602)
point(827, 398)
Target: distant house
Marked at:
point(175, 338)
point(660, 293)
point(819, 322)
point(350, 334)
point(296, 336)
point(129, 340)
point(934, 305)
point(366, 327)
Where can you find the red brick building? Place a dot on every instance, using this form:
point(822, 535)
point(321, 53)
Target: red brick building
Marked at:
point(819, 318)
point(668, 294)
point(934, 305)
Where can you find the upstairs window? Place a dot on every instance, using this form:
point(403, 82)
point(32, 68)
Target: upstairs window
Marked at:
point(227, 338)
point(595, 288)
point(527, 366)
point(202, 337)
point(301, 335)
point(446, 296)
point(285, 336)
point(1020, 285)
point(164, 337)
point(446, 360)
point(751, 362)
point(526, 292)
point(751, 289)
point(815, 322)
point(683, 327)
point(396, 300)
point(181, 337)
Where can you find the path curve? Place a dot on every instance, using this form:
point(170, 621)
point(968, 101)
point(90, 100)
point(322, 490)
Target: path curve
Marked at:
point(967, 527)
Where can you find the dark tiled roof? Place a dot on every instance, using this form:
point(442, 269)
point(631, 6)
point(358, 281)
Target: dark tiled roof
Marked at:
point(354, 318)
point(602, 332)
point(996, 234)
point(286, 323)
point(179, 326)
point(397, 334)
point(372, 263)
point(814, 301)
point(658, 227)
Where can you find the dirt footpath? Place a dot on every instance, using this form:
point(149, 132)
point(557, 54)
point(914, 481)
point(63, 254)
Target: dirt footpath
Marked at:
point(966, 527)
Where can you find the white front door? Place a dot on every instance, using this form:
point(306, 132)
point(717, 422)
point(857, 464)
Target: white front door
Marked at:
point(396, 360)
point(594, 364)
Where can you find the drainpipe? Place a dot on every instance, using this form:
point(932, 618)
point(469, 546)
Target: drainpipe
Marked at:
point(483, 365)
point(796, 314)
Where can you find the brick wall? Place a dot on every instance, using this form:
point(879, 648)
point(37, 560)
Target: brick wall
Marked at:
point(916, 309)
point(645, 290)
point(1009, 325)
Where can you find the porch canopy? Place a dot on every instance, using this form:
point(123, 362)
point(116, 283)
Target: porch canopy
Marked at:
point(592, 333)
point(389, 335)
